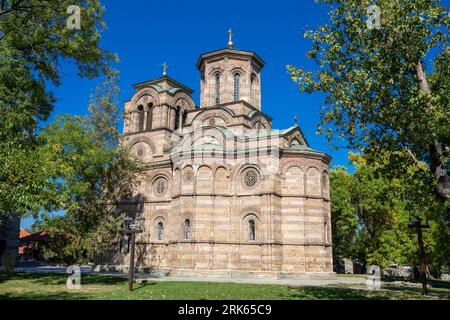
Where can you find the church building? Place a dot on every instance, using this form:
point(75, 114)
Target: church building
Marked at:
point(222, 193)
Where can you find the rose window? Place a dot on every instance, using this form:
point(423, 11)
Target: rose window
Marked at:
point(160, 186)
point(250, 177)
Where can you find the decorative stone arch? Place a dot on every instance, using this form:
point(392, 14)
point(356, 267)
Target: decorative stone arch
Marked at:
point(141, 93)
point(310, 187)
point(159, 214)
point(230, 112)
point(292, 179)
point(215, 70)
point(147, 140)
point(177, 180)
point(237, 171)
point(290, 164)
point(238, 177)
point(159, 174)
point(188, 167)
point(262, 120)
point(250, 210)
point(201, 133)
point(183, 100)
point(151, 179)
point(239, 70)
point(250, 225)
point(182, 225)
point(216, 113)
point(187, 179)
point(156, 219)
point(211, 187)
point(222, 167)
point(221, 183)
point(254, 77)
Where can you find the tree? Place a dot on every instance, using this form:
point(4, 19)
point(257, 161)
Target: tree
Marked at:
point(34, 40)
point(93, 175)
point(344, 219)
point(380, 91)
point(371, 211)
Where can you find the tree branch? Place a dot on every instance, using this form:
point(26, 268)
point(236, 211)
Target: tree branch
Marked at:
point(438, 166)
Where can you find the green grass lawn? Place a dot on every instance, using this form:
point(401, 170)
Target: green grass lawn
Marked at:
point(53, 286)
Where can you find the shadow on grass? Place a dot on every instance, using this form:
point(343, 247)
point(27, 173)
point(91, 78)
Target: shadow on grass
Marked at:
point(323, 293)
point(60, 279)
point(44, 296)
point(137, 287)
point(417, 291)
point(435, 283)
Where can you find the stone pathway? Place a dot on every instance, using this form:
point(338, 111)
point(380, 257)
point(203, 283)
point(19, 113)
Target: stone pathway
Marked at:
point(85, 269)
point(291, 282)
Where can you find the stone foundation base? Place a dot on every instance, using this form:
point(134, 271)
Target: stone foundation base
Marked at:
point(243, 274)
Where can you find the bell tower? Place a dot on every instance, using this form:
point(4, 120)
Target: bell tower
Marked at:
point(230, 75)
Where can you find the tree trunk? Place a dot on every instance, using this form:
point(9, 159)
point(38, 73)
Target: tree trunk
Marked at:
point(436, 148)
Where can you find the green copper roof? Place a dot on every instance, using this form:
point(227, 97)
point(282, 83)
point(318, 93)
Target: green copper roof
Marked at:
point(155, 83)
point(251, 113)
point(299, 147)
point(174, 90)
point(157, 88)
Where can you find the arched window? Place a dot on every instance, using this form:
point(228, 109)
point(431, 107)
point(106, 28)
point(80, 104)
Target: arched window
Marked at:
point(324, 182)
point(177, 118)
point(251, 230)
point(253, 89)
point(149, 116)
point(160, 230)
point(325, 232)
point(237, 84)
point(187, 229)
point(183, 121)
point(141, 118)
point(217, 88)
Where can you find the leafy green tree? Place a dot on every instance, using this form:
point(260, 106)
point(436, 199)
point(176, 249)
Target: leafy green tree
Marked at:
point(344, 219)
point(34, 41)
point(93, 175)
point(371, 211)
point(381, 92)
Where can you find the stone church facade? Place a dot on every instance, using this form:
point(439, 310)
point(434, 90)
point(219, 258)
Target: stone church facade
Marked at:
point(222, 193)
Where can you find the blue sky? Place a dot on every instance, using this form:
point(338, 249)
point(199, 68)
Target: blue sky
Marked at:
point(147, 33)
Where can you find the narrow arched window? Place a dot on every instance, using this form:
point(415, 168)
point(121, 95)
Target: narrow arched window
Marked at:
point(237, 84)
point(141, 118)
point(149, 116)
point(183, 121)
point(187, 229)
point(251, 230)
point(324, 182)
point(177, 118)
point(160, 230)
point(218, 88)
point(325, 232)
point(252, 89)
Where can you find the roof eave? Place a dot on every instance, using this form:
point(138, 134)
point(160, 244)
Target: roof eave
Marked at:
point(227, 50)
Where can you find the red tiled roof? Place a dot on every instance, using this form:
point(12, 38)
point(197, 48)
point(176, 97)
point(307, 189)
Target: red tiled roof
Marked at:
point(41, 236)
point(23, 233)
point(38, 236)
